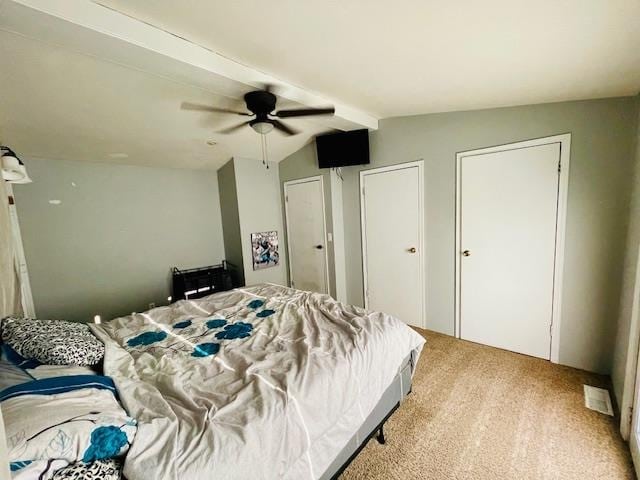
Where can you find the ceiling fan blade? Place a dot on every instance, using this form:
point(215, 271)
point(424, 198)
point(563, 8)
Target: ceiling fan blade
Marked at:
point(305, 112)
point(283, 128)
point(207, 108)
point(234, 128)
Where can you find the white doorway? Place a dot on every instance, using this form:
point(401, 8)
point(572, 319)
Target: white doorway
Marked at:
point(630, 403)
point(306, 234)
point(392, 215)
point(634, 434)
point(510, 222)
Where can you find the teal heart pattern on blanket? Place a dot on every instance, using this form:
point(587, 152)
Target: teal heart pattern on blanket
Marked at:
point(190, 335)
point(216, 323)
point(235, 330)
point(147, 338)
point(205, 349)
point(106, 442)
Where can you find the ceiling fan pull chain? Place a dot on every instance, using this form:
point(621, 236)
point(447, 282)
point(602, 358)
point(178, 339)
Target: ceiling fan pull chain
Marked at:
point(263, 149)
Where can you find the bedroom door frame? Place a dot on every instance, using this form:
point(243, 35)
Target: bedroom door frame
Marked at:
point(421, 222)
point(298, 181)
point(630, 393)
point(561, 219)
point(629, 414)
point(28, 306)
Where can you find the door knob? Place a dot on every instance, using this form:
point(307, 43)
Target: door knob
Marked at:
point(412, 250)
point(319, 247)
point(466, 253)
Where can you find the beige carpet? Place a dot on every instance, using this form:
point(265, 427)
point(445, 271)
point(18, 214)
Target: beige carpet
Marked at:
point(477, 412)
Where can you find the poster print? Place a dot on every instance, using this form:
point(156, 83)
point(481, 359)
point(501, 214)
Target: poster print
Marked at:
point(264, 246)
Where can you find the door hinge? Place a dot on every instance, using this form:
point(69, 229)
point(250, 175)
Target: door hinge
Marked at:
point(363, 191)
point(286, 198)
point(559, 166)
point(629, 417)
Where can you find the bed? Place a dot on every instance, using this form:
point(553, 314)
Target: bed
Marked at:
point(259, 382)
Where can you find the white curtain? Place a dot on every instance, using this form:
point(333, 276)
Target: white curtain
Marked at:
point(10, 299)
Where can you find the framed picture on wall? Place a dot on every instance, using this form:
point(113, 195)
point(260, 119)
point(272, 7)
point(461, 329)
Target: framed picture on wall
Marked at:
point(264, 248)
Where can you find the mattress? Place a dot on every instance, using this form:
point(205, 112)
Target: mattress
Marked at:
point(260, 382)
point(390, 400)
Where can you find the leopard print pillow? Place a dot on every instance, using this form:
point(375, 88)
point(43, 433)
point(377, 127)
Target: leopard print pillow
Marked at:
point(100, 469)
point(52, 342)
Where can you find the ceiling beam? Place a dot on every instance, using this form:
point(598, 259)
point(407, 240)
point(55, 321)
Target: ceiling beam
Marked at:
point(89, 28)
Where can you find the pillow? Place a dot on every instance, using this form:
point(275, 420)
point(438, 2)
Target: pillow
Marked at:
point(60, 470)
point(15, 367)
point(52, 342)
point(63, 420)
point(8, 354)
point(100, 469)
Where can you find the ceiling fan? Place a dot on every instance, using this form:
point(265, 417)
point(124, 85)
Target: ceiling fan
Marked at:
point(261, 104)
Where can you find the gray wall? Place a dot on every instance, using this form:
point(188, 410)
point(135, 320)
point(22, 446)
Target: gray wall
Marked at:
point(629, 277)
point(304, 164)
point(108, 247)
point(231, 220)
point(260, 210)
point(598, 207)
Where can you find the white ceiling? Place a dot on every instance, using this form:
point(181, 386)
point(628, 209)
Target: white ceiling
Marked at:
point(420, 56)
point(59, 104)
point(80, 81)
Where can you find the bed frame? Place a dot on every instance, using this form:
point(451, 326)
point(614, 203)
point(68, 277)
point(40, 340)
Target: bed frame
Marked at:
point(373, 426)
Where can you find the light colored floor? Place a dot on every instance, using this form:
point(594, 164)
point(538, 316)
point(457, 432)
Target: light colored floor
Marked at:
point(477, 412)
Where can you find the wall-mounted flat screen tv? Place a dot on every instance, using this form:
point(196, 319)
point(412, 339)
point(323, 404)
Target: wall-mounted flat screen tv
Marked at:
point(343, 149)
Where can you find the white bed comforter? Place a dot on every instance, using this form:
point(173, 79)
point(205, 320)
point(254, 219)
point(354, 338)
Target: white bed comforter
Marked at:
point(261, 382)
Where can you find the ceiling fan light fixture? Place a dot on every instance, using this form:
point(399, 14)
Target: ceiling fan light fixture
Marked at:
point(262, 105)
point(262, 127)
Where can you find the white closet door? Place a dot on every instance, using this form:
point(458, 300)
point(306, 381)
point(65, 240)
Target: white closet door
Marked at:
point(306, 234)
point(392, 242)
point(509, 202)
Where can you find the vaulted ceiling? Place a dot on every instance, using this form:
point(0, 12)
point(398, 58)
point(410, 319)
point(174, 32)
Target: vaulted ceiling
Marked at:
point(81, 82)
point(59, 104)
point(420, 56)
point(103, 80)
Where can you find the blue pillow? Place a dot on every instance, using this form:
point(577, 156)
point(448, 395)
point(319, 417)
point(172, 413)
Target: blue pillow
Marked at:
point(10, 355)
